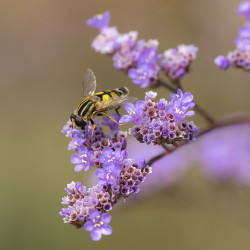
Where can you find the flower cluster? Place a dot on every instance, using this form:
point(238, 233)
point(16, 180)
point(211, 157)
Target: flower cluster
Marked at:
point(240, 57)
point(89, 147)
point(84, 208)
point(176, 62)
point(163, 121)
point(139, 58)
point(118, 176)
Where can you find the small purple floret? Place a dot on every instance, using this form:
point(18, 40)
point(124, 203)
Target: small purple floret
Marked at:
point(222, 62)
point(244, 9)
point(97, 224)
point(144, 74)
point(100, 21)
point(108, 175)
point(83, 159)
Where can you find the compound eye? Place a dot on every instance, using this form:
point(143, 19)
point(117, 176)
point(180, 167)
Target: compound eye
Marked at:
point(80, 123)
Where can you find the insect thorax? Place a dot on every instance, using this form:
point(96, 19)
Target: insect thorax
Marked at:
point(86, 108)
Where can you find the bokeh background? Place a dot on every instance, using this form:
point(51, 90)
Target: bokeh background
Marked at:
point(45, 47)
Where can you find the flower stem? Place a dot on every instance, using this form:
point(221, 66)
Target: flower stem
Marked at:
point(228, 122)
point(225, 123)
point(156, 158)
point(204, 114)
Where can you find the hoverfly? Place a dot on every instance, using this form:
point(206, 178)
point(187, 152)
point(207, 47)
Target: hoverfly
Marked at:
point(96, 104)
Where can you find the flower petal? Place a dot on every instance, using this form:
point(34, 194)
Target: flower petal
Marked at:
point(82, 149)
point(126, 119)
point(99, 21)
point(75, 159)
point(93, 213)
point(106, 218)
point(89, 226)
point(190, 113)
point(96, 235)
point(100, 173)
point(78, 167)
point(129, 107)
point(106, 230)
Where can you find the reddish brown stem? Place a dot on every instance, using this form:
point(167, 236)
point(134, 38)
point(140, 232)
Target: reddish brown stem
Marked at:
point(229, 122)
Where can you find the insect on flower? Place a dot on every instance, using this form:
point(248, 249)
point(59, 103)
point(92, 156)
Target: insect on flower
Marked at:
point(97, 104)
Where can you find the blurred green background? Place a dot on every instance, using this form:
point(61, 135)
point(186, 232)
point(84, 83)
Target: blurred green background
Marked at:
point(45, 47)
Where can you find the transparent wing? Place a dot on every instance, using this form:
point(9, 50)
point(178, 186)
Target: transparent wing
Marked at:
point(89, 83)
point(117, 102)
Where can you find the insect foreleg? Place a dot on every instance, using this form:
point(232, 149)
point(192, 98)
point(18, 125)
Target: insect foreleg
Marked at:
point(111, 118)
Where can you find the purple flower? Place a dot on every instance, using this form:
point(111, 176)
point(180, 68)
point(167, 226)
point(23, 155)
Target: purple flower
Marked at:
point(132, 175)
point(110, 157)
point(127, 40)
point(188, 51)
point(149, 56)
point(147, 70)
point(222, 62)
point(83, 159)
point(244, 9)
point(135, 112)
point(100, 21)
point(104, 43)
point(97, 224)
point(130, 53)
point(150, 95)
point(108, 175)
point(176, 62)
point(123, 58)
point(179, 105)
point(144, 74)
point(243, 40)
point(244, 31)
point(150, 137)
point(75, 191)
point(67, 129)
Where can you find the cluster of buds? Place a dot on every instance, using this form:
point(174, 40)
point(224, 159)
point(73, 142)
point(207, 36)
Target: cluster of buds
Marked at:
point(240, 57)
point(131, 176)
point(176, 62)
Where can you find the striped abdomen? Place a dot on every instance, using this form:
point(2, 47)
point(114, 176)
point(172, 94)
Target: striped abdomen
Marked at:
point(85, 108)
point(106, 95)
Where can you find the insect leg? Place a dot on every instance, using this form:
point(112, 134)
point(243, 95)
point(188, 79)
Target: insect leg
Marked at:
point(92, 127)
point(116, 110)
point(111, 118)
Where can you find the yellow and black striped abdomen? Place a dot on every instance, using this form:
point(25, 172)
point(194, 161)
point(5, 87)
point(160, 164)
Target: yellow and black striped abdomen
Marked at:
point(85, 108)
point(120, 92)
point(106, 95)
